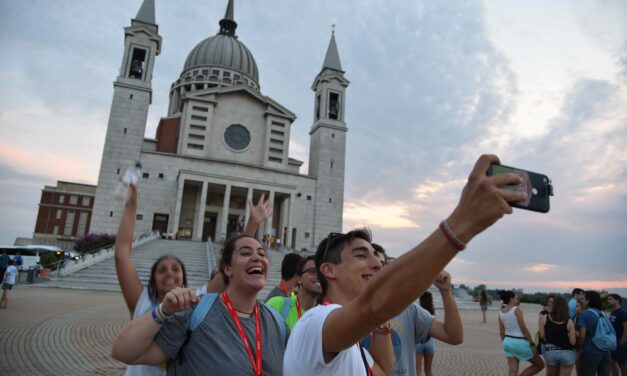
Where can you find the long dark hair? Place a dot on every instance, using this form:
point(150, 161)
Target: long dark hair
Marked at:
point(152, 285)
point(426, 302)
point(506, 295)
point(483, 297)
point(559, 311)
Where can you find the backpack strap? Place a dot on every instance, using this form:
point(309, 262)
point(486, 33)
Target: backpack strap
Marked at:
point(201, 310)
point(198, 315)
point(287, 306)
point(279, 321)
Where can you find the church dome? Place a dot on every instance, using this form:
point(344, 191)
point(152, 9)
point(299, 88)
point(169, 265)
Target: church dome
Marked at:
point(223, 51)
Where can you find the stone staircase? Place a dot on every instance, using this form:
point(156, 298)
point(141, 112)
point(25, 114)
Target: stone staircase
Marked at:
point(102, 276)
point(274, 273)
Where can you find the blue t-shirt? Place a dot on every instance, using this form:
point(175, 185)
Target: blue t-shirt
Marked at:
point(572, 303)
point(589, 319)
point(618, 318)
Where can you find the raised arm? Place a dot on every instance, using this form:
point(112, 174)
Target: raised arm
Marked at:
point(130, 283)
point(450, 330)
point(258, 213)
point(382, 351)
point(135, 343)
point(482, 203)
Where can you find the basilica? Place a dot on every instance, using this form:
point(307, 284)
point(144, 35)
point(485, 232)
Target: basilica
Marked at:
point(221, 143)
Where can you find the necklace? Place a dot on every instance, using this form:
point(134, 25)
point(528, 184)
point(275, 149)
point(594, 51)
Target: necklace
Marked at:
point(237, 310)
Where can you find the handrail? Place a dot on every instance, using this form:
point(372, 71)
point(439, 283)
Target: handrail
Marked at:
point(211, 256)
point(101, 254)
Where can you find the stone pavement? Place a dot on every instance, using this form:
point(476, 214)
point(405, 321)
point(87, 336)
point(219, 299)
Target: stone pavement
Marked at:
point(50, 331)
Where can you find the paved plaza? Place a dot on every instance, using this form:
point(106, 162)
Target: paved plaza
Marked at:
point(50, 331)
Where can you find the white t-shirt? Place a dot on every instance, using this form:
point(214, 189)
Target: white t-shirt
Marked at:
point(303, 355)
point(143, 306)
point(9, 275)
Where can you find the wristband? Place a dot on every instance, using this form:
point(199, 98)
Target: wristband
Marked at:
point(162, 313)
point(155, 317)
point(451, 237)
point(382, 330)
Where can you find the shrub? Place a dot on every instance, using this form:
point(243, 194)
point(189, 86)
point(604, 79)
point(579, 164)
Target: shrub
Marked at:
point(48, 260)
point(91, 242)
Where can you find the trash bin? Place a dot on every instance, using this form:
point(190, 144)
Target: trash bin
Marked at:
point(30, 277)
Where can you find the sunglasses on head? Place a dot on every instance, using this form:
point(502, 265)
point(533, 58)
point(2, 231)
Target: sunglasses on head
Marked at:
point(331, 238)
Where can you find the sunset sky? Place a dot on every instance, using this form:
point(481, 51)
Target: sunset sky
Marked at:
point(434, 84)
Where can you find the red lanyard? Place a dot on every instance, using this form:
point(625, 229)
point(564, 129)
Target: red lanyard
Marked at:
point(361, 349)
point(283, 288)
point(257, 361)
point(298, 307)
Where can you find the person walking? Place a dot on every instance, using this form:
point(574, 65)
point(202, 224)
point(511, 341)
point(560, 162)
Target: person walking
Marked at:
point(483, 304)
point(557, 332)
point(8, 280)
point(517, 342)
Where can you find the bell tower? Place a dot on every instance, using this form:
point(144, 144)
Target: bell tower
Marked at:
point(327, 149)
point(132, 96)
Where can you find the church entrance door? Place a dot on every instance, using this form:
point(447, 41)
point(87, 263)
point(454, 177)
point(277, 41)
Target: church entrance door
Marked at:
point(209, 226)
point(160, 223)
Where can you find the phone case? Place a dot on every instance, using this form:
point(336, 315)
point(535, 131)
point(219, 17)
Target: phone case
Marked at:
point(537, 186)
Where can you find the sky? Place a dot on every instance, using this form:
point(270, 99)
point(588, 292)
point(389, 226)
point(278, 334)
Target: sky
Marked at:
point(434, 84)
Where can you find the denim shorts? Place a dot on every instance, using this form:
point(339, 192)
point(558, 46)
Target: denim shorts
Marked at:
point(517, 348)
point(559, 357)
point(427, 348)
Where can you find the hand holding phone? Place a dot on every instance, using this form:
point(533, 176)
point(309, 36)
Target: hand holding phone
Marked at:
point(537, 187)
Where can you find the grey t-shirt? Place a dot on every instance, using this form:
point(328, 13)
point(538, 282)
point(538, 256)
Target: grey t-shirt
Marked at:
point(215, 347)
point(276, 291)
point(408, 328)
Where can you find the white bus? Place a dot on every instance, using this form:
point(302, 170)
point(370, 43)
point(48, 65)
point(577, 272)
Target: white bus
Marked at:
point(30, 254)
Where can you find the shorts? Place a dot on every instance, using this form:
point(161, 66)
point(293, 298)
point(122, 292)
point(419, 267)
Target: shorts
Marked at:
point(427, 348)
point(559, 357)
point(7, 286)
point(620, 354)
point(517, 348)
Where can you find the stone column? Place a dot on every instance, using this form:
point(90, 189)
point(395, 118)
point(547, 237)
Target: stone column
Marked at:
point(200, 217)
point(290, 218)
point(177, 209)
point(225, 211)
point(268, 226)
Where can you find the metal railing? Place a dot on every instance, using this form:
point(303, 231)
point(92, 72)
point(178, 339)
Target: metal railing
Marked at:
point(97, 255)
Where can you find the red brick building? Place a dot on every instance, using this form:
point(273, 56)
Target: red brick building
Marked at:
point(65, 211)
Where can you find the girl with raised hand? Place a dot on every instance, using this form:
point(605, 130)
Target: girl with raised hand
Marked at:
point(238, 335)
point(167, 273)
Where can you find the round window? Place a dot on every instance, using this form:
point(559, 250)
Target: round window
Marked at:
point(237, 137)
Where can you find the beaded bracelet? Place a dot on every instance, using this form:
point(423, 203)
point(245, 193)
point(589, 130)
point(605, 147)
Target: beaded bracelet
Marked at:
point(451, 237)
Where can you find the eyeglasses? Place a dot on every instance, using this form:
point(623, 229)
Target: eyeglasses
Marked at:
point(330, 238)
point(308, 271)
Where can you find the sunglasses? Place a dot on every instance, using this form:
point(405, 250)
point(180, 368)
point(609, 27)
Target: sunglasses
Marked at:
point(308, 271)
point(331, 238)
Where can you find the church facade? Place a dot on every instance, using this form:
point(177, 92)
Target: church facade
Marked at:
point(221, 144)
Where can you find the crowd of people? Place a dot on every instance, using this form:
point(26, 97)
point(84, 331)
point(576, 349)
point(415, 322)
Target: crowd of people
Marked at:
point(342, 311)
point(572, 335)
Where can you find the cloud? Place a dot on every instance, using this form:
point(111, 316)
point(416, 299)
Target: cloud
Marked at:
point(540, 268)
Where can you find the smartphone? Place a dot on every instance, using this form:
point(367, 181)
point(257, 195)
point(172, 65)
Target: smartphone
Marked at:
point(537, 186)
